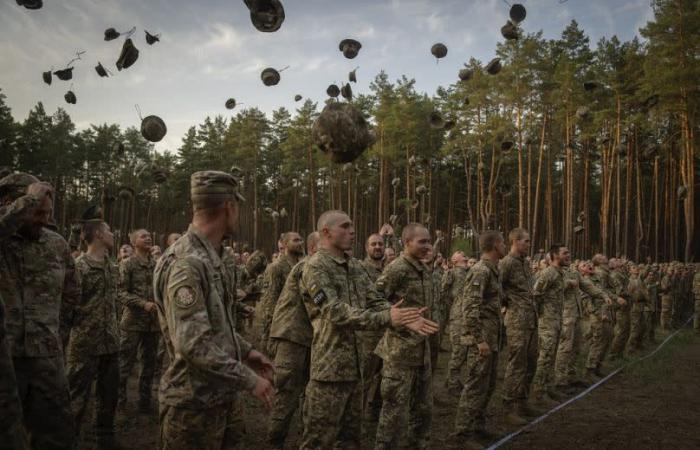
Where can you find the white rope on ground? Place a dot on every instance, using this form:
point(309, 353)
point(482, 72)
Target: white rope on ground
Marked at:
point(510, 436)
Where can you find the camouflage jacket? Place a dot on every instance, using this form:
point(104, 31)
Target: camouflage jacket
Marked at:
point(372, 271)
point(290, 321)
point(411, 280)
point(517, 282)
point(481, 305)
point(340, 299)
point(575, 286)
point(12, 214)
point(696, 286)
point(665, 286)
point(95, 330)
point(652, 286)
point(41, 289)
point(135, 289)
point(451, 288)
point(638, 293)
point(195, 295)
point(273, 281)
point(619, 282)
point(549, 295)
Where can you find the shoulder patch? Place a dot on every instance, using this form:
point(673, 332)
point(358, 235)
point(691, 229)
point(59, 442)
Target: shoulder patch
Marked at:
point(317, 295)
point(185, 297)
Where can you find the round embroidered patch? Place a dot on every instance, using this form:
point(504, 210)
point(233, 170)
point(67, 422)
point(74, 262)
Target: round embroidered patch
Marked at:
point(185, 298)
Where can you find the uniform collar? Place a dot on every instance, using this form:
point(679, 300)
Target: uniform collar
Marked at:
point(340, 260)
point(202, 240)
point(491, 265)
point(418, 265)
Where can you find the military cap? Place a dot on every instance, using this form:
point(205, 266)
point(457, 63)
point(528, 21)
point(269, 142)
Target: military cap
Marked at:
point(333, 91)
point(213, 184)
point(70, 97)
point(352, 76)
point(256, 263)
point(342, 131)
point(297, 97)
point(152, 38)
point(101, 71)
point(439, 50)
point(153, 128)
point(510, 31)
point(349, 47)
point(46, 76)
point(465, 74)
point(270, 76)
point(231, 103)
point(16, 183)
point(266, 15)
point(64, 74)
point(346, 92)
point(128, 56)
point(517, 13)
point(111, 34)
point(494, 66)
point(92, 214)
point(31, 4)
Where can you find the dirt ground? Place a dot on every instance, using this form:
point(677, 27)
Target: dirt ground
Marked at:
point(654, 404)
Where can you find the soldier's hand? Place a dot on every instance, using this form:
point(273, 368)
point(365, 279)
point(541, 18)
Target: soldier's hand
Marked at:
point(402, 316)
point(264, 392)
point(260, 364)
point(621, 301)
point(484, 349)
point(248, 311)
point(149, 306)
point(423, 326)
point(40, 189)
point(608, 301)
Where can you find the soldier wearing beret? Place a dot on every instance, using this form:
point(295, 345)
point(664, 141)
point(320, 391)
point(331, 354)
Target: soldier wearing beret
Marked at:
point(340, 299)
point(40, 288)
point(210, 363)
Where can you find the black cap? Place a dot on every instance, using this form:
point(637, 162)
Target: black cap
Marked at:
point(517, 13)
point(333, 91)
point(70, 98)
point(64, 74)
point(128, 56)
point(46, 76)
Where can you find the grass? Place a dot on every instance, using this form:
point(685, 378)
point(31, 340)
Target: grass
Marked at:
point(661, 364)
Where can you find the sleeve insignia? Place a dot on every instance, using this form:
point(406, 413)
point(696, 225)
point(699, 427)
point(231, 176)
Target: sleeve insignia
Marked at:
point(185, 297)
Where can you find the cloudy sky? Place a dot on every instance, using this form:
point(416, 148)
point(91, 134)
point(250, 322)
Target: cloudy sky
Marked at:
point(209, 50)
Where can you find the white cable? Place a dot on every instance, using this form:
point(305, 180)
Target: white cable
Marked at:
point(510, 436)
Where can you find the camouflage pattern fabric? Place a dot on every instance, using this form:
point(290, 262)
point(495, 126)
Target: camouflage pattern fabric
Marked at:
point(452, 286)
point(549, 295)
point(332, 415)
point(273, 281)
point(213, 428)
point(621, 332)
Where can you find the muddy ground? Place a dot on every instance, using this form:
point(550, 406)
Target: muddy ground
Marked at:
point(654, 404)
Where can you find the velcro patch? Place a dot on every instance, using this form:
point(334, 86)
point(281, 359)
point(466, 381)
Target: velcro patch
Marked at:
point(185, 297)
point(319, 297)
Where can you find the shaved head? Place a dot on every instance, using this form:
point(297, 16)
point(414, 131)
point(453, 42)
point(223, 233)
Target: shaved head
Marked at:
point(312, 242)
point(330, 218)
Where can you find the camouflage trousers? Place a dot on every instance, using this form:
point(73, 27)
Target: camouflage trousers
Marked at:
point(666, 312)
point(132, 343)
point(479, 385)
point(216, 428)
point(458, 358)
point(649, 327)
point(521, 362)
point(291, 376)
point(637, 329)
point(548, 331)
point(599, 335)
point(567, 351)
point(82, 372)
point(371, 369)
point(696, 318)
point(407, 406)
point(43, 392)
point(332, 415)
point(10, 409)
point(621, 333)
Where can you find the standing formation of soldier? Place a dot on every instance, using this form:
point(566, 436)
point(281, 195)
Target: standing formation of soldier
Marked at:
point(340, 340)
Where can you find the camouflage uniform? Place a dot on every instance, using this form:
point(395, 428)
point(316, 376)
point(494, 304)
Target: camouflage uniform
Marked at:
point(696, 295)
point(549, 296)
point(439, 312)
point(94, 345)
point(406, 376)
point(290, 338)
point(666, 301)
point(600, 316)
point(622, 314)
point(481, 305)
point(273, 282)
point(452, 287)
point(195, 296)
point(41, 289)
point(521, 327)
point(339, 298)
point(572, 312)
point(652, 286)
point(640, 298)
point(371, 364)
point(139, 329)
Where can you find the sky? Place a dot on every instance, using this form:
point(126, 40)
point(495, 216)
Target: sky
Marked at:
point(209, 51)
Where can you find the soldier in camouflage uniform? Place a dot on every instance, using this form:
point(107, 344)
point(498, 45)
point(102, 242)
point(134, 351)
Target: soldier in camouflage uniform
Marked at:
point(273, 282)
point(195, 296)
point(570, 337)
point(549, 297)
point(665, 287)
point(521, 327)
point(371, 364)
point(621, 333)
point(452, 286)
point(340, 299)
point(12, 217)
point(481, 312)
point(93, 349)
point(139, 323)
point(406, 384)
point(290, 337)
point(40, 288)
point(651, 282)
point(639, 296)
point(600, 315)
point(696, 296)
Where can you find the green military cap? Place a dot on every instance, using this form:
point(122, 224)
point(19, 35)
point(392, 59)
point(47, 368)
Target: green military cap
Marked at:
point(16, 184)
point(213, 184)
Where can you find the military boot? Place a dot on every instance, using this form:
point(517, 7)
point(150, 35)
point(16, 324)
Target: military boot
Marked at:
point(512, 414)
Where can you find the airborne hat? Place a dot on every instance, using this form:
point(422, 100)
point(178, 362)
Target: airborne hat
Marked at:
point(93, 213)
point(494, 66)
point(153, 128)
point(128, 56)
point(510, 31)
point(152, 38)
point(350, 48)
point(31, 4)
point(230, 103)
point(213, 184)
point(101, 71)
point(266, 15)
point(517, 13)
point(46, 76)
point(297, 97)
point(346, 92)
point(352, 76)
point(111, 34)
point(333, 91)
point(342, 132)
point(70, 97)
point(270, 77)
point(466, 74)
point(439, 50)
point(64, 74)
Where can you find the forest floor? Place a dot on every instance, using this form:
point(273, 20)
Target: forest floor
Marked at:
point(652, 404)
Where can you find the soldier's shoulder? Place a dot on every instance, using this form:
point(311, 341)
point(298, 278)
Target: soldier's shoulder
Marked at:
point(480, 269)
point(54, 240)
